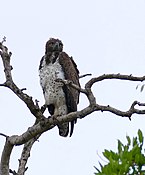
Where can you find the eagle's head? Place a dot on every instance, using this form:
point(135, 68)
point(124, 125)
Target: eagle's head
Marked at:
point(53, 45)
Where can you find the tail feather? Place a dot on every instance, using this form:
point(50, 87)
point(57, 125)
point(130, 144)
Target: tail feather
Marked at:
point(72, 123)
point(63, 129)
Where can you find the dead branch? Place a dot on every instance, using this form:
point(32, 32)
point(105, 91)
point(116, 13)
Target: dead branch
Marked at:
point(82, 76)
point(5, 158)
point(70, 83)
point(25, 155)
point(11, 85)
point(113, 76)
point(3, 40)
point(12, 172)
point(4, 135)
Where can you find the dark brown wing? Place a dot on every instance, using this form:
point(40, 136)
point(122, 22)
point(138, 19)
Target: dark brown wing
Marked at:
point(41, 61)
point(71, 73)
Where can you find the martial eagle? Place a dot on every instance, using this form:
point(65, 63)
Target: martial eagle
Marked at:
point(59, 98)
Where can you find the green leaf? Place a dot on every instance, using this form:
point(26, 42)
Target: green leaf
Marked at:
point(126, 168)
point(140, 136)
point(106, 153)
point(128, 160)
point(114, 156)
point(119, 146)
point(128, 140)
point(137, 158)
point(134, 141)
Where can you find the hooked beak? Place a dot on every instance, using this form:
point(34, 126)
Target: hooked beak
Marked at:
point(56, 47)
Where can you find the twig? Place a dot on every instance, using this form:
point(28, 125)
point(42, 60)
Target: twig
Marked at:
point(82, 76)
point(36, 102)
point(12, 172)
point(4, 40)
point(140, 104)
point(23, 89)
point(70, 83)
point(3, 84)
point(4, 135)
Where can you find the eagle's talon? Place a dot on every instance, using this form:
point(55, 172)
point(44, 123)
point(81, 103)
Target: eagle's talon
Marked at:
point(55, 117)
point(43, 108)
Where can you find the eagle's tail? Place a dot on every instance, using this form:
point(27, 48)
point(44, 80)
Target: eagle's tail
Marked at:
point(72, 123)
point(63, 129)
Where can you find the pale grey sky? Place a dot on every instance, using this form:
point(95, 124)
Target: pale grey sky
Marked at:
point(103, 37)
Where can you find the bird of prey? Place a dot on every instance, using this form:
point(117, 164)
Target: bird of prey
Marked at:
point(60, 99)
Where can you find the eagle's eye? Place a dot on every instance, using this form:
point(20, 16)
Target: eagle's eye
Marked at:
point(60, 44)
point(51, 43)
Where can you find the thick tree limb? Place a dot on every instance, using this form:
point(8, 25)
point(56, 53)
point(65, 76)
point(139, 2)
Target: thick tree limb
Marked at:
point(25, 155)
point(5, 158)
point(49, 123)
point(33, 131)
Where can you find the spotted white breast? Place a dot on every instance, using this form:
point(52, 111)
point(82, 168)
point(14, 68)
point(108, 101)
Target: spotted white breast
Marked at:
point(53, 92)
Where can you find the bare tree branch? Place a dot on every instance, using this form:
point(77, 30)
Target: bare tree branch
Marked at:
point(113, 76)
point(25, 155)
point(4, 135)
point(128, 113)
point(70, 83)
point(11, 85)
point(5, 158)
point(82, 76)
